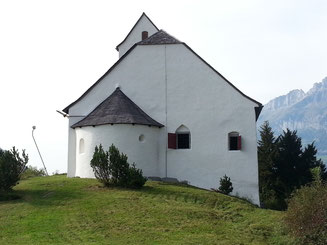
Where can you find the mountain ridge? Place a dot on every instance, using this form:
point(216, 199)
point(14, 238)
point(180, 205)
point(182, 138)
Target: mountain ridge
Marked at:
point(304, 112)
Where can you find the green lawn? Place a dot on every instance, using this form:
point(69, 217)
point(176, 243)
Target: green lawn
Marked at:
point(60, 210)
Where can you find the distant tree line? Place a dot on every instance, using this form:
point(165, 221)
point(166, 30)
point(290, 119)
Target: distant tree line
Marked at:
point(284, 166)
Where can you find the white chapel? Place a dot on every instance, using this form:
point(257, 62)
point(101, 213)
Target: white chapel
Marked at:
point(172, 113)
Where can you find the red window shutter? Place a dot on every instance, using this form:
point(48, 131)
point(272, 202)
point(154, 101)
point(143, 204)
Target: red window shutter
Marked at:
point(171, 141)
point(239, 143)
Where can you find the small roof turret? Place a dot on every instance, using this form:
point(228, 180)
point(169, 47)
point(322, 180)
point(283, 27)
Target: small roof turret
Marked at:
point(144, 27)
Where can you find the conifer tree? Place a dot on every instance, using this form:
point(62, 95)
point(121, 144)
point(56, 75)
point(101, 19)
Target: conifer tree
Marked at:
point(226, 185)
point(289, 166)
point(294, 163)
point(284, 166)
point(267, 155)
point(310, 159)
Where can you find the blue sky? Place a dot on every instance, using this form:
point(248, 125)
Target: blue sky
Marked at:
point(52, 51)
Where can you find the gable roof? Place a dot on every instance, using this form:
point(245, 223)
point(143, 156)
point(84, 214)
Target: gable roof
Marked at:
point(143, 14)
point(249, 98)
point(160, 37)
point(117, 109)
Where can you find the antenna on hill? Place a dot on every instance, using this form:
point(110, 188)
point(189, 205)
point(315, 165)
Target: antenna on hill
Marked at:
point(34, 127)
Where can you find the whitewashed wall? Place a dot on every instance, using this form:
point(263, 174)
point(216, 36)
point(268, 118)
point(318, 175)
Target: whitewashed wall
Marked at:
point(196, 97)
point(143, 83)
point(126, 137)
point(205, 103)
point(71, 168)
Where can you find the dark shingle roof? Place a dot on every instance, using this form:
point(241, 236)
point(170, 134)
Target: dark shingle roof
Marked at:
point(117, 109)
point(160, 37)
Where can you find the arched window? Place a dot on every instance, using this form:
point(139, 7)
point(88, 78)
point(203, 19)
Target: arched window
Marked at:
point(142, 138)
point(181, 139)
point(234, 141)
point(144, 35)
point(81, 146)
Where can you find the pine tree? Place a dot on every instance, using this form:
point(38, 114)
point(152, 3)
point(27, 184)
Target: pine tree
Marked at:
point(226, 185)
point(294, 164)
point(310, 161)
point(267, 155)
point(290, 169)
point(284, 166)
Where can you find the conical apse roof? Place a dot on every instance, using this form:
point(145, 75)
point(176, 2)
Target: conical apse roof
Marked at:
point(117, 109)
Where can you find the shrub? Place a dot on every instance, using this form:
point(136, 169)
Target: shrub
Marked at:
point(112, 169)
point(31, 171)
point(136, 180)
point(100, 165)
point(118, 166)
point(57, 172)
point(11, 167)
point(306, 216)
point(226, 185)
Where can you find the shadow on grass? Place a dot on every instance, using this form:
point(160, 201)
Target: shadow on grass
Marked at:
point(153, 188)
point(8, 196)
point(40, 197)
point(181, 192)
point(191, 194)
point(172, 191)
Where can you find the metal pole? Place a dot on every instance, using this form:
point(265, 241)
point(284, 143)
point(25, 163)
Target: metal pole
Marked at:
point(34, 127)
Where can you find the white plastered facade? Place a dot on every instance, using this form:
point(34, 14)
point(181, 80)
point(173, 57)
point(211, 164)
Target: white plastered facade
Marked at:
point(175, 87)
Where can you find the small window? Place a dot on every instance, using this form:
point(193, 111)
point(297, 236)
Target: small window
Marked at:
point(234, 141)
point(181, 139)
point(141, 138)
point(81, 146)
point(144, 35)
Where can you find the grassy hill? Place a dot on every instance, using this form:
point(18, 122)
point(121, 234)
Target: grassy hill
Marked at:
point(60, 210)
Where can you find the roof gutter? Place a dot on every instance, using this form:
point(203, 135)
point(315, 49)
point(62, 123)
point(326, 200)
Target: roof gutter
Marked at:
point(63, 113)
point(66, 114)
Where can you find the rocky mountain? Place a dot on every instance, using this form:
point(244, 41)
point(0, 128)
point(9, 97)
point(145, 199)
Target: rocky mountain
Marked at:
point(304, 112)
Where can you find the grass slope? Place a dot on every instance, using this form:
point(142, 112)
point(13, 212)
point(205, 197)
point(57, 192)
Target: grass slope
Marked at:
point(60, 210)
